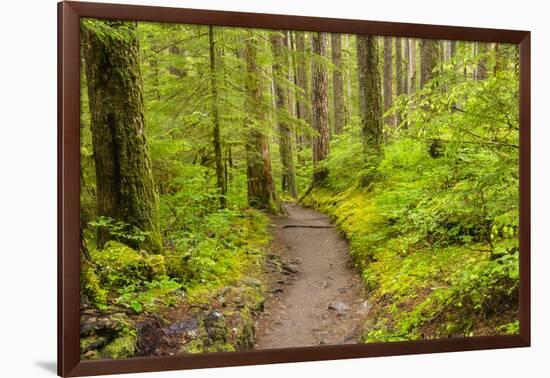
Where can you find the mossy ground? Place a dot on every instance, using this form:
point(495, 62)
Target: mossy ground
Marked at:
point(418, 291)
point(218, 275)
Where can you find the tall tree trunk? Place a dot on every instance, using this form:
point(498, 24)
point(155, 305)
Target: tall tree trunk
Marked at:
point(498, 59)
point(411, 85)
point(406, 65)
point(216, 139)
point(301, 80)
point(348, 101)
point(289, 60)
point(388, 76)
point(370, 104)
point(261, 190)
point(124, 178)
point(280, 72)
point(337, 82)
point(320, 107)
point(481, 71)
point(399, 85)
point(452, 48)
point(400, 82)
point(154, 64)
point(449, 48)
point(430, 56)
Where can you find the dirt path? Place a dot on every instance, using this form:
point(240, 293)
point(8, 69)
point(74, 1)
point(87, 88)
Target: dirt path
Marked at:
point(317, 298)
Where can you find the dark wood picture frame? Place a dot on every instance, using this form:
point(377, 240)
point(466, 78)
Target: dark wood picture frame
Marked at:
point(69, 14)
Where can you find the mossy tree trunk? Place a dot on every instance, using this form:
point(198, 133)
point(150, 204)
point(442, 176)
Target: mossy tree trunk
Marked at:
point(337, 82)
point(303, 112)
point(370, 105)
point(124, 177)
point(430, 50)
point(288, 181)
point(399, 74)
point(482, 63)
point(388, 78)
point(320, 107)
point(411, 82)
point(216, 138)
point(261, 189)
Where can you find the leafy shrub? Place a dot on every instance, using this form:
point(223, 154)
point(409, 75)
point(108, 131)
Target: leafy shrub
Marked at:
point(119, 230)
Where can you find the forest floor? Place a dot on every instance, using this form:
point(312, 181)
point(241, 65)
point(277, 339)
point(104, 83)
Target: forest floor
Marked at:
point(318, 297)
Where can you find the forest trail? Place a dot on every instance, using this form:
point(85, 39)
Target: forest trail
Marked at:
point(317, 298)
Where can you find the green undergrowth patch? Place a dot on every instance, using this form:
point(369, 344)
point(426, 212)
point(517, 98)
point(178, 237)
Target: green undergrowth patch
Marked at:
point(421, 291)
point(436, 243)
point(226, 246)
point(211, 263)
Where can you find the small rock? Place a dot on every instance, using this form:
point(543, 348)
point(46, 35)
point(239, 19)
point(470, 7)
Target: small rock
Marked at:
point(364, 308)
point(339, 307)
point(290, 269)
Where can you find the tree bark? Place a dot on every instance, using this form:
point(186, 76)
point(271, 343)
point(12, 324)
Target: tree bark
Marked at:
point(498, 59)
point(348, 103)
point(400, 79)
point(411, 85)
point(320, 107)
point(288, 181)
point(430, 56)
point(370, 104)
point(481, 71)
point(124, 178)
point(302, 81)
point(216, 139)
point(261, 190)
point(388, 79)
point(337, 82)
point(452, 49)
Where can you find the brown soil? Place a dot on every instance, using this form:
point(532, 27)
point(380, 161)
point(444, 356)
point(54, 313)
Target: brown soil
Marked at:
point(316, 295)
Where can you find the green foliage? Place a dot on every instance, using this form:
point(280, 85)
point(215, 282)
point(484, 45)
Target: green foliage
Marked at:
point(153, 294)
point(436, 236)
point(432, 220)
point(218, 249)
point(119, 230)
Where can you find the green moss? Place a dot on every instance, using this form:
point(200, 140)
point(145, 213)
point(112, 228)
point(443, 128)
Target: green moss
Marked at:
point(90, 345)
point(111, 336)
point(157, 265)
point(119, 265)
point(198, 346)
point(245, 333)
point(418, 289)
point(90, 285)
point(213, 335)
point(194, 346)
point(121, 347)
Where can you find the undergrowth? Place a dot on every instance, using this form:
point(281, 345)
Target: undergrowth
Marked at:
point(438, 256)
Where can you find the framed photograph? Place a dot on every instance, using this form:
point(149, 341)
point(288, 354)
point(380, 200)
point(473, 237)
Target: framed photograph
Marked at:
point(240, 188)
